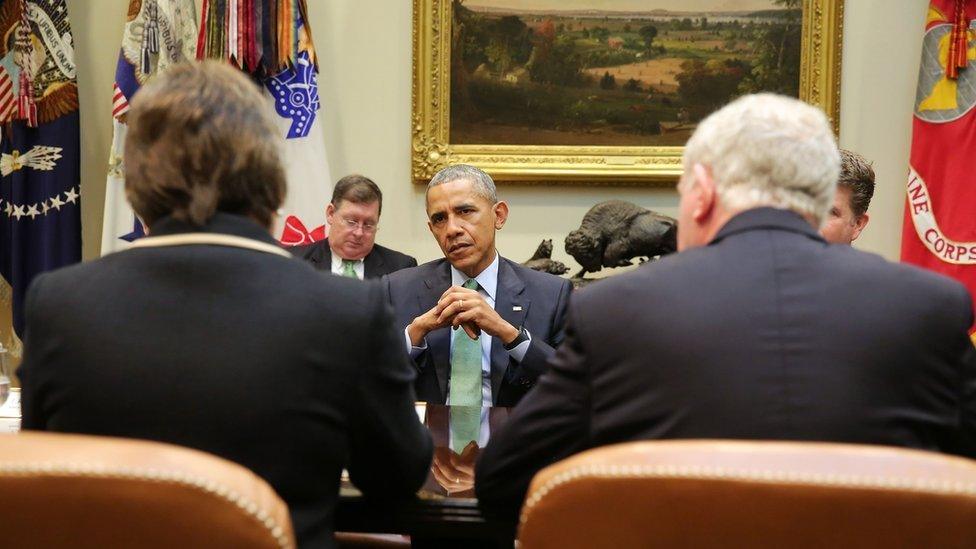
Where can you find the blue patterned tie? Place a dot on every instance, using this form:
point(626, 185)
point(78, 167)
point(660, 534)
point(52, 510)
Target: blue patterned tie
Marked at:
point(466, 365)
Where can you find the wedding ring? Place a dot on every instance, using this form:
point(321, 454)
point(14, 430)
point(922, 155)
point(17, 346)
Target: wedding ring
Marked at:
point(461, 302)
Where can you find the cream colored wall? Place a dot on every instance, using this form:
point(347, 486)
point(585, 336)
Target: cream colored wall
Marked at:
point(364, 50)
point(882, 50)
point(97, 31)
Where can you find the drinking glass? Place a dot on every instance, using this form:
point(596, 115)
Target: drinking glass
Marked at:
point(5, 366)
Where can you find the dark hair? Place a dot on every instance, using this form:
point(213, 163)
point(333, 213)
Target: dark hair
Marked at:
point(857, 174)
point(357, 188)
point(201, 140)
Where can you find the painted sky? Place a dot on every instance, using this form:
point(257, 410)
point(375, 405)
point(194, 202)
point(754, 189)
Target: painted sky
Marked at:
point(627, 5)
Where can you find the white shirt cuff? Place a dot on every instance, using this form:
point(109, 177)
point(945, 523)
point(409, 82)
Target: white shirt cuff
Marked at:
point(416, 351)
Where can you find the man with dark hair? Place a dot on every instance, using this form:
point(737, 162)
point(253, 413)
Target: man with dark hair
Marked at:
point(350, 249)
point(855, 187)
point(506, 319)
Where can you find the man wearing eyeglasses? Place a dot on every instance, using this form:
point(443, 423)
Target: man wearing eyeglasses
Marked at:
point(351, 249)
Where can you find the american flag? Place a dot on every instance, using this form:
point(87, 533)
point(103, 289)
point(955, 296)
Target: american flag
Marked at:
point(8, 101)
point(120, 105)
point(144, 52)
point(40, 208)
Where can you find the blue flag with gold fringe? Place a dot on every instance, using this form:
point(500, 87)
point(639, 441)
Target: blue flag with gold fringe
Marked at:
point(40, 209)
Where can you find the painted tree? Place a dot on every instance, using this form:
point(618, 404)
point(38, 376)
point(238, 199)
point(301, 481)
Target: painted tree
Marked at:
point(648, 33)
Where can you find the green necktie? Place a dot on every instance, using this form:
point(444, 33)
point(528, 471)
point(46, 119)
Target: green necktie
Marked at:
point(349, 268)
point(465, 424)
point(466, 365)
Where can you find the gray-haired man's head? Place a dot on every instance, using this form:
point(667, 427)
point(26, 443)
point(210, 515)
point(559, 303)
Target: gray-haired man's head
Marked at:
point(482, 182)
point(463, 213)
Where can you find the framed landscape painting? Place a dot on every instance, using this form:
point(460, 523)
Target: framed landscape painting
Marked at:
point(603, 91)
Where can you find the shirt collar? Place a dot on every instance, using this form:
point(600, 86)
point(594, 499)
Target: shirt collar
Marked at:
point(337, 261)
point(221, 222)
point(487, 279)
point(765, 218)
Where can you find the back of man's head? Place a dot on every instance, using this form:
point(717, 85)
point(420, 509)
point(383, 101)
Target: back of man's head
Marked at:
point(201, 141)
point(768, 150)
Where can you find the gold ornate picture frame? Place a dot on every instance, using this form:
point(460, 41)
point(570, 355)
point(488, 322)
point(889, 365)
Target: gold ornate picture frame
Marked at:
point(432, 149)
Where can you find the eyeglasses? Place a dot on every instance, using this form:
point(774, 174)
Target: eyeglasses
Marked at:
point(352, 225)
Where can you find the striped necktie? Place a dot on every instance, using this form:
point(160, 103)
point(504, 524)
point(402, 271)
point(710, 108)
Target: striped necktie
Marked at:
point(349, 268)
point(466, 365)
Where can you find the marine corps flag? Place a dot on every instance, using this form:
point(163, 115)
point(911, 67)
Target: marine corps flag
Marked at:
point(939, 231)
point(158, 33)
point(271, 40)
point(40, 214)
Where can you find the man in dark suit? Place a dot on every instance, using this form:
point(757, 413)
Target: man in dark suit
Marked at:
point(506, 317)
point(350, 249)
point(757, 329)
point(206, 334)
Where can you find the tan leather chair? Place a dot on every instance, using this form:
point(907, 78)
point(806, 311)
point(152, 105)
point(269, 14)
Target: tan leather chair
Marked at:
point(711, 494)
point(61, 491)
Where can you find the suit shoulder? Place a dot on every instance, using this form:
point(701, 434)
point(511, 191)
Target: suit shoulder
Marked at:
point(69, 276)
point(398, 258)
point(306, 251)
point(537, 278)
point(668, 274)
point(916, 279)
point(412, 275)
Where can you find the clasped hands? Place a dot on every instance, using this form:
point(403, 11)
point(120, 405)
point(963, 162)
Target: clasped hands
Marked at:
point(466, 308)
point(455, 471)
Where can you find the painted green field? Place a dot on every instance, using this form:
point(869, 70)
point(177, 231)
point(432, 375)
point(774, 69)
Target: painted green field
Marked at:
point(553, 80)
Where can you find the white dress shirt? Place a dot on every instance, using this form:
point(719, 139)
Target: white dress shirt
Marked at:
point(337, 266)
point(487, 287)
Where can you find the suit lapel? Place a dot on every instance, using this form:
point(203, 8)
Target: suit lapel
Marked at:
point(512, 306)
point(373, 264)
point(438, 341)
point(324, 256)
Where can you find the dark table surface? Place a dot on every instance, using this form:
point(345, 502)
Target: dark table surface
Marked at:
point(445, 512)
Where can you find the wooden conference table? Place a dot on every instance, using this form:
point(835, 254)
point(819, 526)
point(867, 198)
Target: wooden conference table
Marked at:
point(445, 512)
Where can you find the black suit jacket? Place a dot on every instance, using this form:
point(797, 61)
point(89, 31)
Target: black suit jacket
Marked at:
point(230, 351)
point(524, 297)
point(378, 262)
point(766, 333)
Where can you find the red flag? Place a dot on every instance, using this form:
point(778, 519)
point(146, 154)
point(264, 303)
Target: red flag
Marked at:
point(939, 231)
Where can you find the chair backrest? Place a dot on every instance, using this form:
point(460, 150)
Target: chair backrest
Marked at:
point(711, 494)
point(60, 491)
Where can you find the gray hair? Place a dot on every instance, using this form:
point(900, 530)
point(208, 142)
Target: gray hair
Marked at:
point(769, 150)
point(482, 182)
